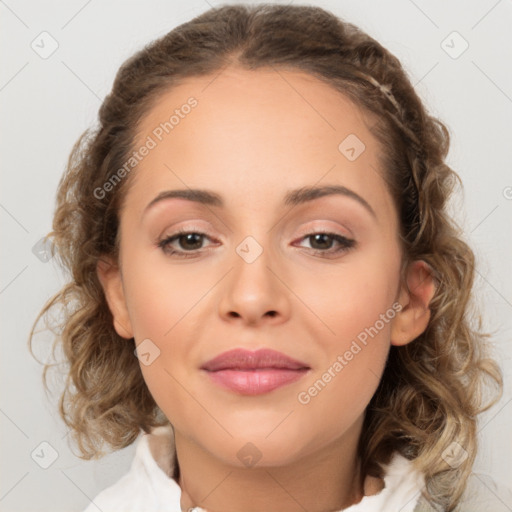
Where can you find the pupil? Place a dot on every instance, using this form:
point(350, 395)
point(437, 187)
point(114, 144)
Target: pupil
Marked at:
point(322, 237)
point(189, 240)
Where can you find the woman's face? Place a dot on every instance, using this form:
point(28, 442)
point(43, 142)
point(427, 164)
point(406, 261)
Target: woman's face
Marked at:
point(256, 276)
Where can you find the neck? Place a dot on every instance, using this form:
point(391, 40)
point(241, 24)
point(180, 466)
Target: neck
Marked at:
point(324, 481)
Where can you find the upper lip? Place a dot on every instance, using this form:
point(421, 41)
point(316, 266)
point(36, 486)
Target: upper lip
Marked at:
point(242, 359)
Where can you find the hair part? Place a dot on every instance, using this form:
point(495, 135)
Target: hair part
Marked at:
point(431, 390)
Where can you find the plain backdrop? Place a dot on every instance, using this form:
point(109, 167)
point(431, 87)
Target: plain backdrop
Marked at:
point(458, 56)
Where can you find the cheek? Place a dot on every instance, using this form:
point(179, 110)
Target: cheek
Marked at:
point(355, 305)
point(162, 302)
point(339, 390)
point(352, 297)
point(159, 297)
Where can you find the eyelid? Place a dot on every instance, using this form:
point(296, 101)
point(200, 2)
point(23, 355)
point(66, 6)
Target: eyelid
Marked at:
point(320, 231)
point(324, 226)
point(346, 243)
point(309, 229)
point(184, 228)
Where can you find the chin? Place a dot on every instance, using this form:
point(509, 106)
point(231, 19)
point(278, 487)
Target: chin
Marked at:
point(257, 444)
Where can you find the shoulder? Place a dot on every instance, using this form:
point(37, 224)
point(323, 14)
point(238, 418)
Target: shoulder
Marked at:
point(482, 493)
point(424, 506)
point(148, 485)
point(403, 485)
point(401, 490)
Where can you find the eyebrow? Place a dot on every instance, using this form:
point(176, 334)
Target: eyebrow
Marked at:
point(292, 197)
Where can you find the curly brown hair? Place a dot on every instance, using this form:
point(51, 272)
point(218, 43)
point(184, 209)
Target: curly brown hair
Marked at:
point(432, 389)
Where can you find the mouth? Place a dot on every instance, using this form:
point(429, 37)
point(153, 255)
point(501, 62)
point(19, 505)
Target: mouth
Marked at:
point(254, 373)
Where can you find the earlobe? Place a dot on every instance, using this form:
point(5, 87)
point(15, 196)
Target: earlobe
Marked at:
point(415, 297)
point(109, 275)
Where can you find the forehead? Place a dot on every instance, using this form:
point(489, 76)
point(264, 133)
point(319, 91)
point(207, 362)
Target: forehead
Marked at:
point(272, 99)
point(257, 130)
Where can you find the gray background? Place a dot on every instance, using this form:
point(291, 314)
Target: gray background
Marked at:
point(46, 103)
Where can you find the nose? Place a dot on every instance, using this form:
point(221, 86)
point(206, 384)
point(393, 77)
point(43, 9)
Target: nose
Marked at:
point(255, 292)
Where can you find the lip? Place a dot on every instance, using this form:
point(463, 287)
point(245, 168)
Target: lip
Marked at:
point(254, 373)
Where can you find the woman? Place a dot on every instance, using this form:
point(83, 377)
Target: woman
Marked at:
point(261, 217)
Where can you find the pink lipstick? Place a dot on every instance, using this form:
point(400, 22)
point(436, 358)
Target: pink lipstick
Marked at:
point(254, 373)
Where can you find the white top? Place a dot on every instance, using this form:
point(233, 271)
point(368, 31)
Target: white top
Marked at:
point(149, 486)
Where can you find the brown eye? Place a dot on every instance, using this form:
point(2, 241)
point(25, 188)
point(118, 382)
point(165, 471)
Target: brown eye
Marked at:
point(321, 241)
point(329, 243)
point(190, 241)
point(183, 242)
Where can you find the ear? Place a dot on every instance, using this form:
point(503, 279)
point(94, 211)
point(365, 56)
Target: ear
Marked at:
point(415, 296)
point(109, 274)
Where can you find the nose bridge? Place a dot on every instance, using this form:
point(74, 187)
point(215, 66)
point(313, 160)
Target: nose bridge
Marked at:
point(253, 291)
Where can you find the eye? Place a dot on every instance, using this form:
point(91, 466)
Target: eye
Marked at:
point(189, 243)
point(325, 244)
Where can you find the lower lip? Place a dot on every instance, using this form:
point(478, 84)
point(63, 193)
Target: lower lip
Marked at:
point(255, 382)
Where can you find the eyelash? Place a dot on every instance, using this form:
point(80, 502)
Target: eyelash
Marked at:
point(346, 244)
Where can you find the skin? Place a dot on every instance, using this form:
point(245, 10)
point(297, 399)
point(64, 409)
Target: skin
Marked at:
point(253, 136)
